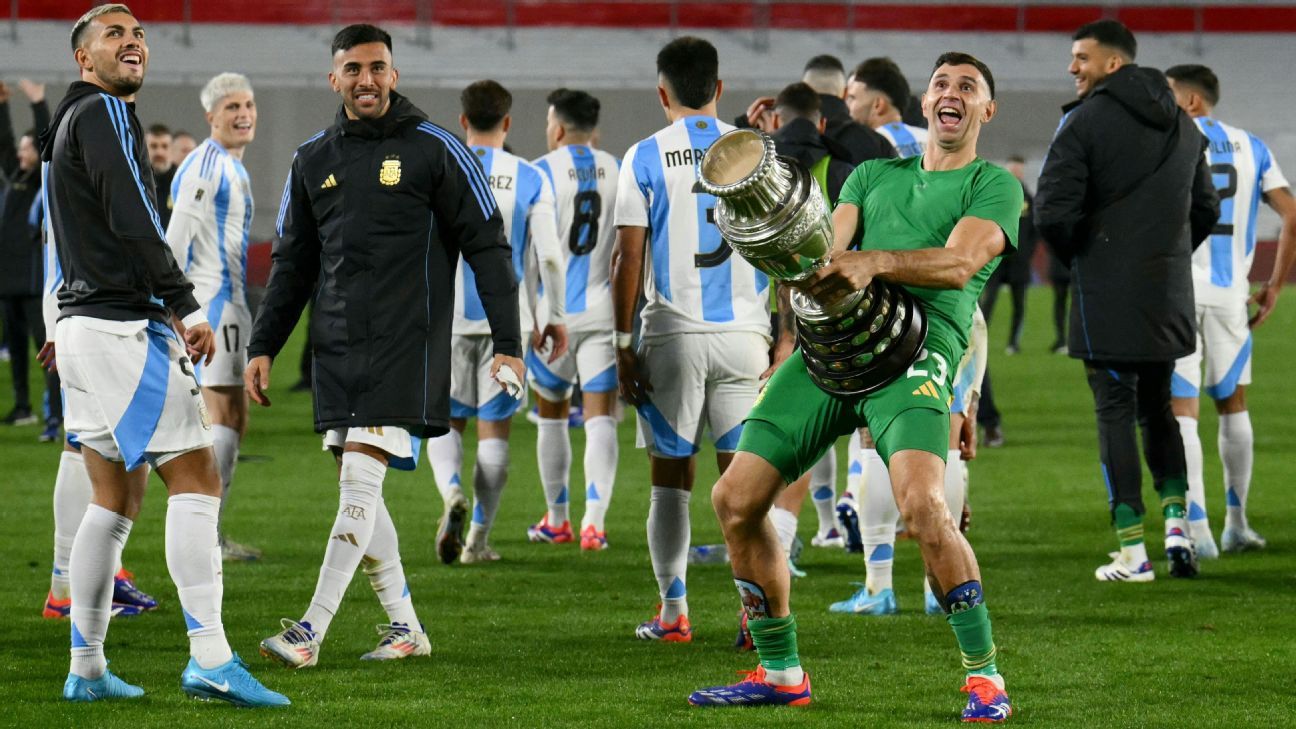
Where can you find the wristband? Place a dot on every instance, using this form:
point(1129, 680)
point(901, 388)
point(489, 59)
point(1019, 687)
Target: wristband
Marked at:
point(623, 339)
point(194, 319)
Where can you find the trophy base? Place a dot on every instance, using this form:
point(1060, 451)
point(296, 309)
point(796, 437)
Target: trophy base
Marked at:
point(867, 349)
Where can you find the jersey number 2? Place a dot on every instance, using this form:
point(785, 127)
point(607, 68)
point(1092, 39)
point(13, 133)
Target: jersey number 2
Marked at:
point(1228, 190)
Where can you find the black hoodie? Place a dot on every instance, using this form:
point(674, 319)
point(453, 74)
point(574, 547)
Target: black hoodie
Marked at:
point(1126, 195)
point(99, 190)
point(373, 219)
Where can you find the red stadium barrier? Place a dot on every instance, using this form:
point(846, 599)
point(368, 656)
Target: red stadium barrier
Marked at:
point(791, 15)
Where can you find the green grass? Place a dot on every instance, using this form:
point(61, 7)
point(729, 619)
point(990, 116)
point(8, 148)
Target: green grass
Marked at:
point(546, 637)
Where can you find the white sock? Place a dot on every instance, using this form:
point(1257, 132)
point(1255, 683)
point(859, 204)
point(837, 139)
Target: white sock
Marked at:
point(194, 560)
point(785, 525)
point(878, 516)
point(489, 477)
point(72, 493)
point(382, 563)
point(445, 456)
point(359, 492)
point(95, 554)
point(955, 488)
point(554, 455)
point(668, 545)
point(855, 472)
point(225, 443)
point(601, 453)
point(1197, 518)
point(790, 676)
point(1236, 441)
point(823, 491)
point(1134, 555)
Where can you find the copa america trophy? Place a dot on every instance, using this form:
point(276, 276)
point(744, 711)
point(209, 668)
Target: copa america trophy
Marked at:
point(771, 211)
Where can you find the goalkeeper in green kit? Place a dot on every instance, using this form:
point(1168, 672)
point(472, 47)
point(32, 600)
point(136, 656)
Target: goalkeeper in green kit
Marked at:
point(936, 224)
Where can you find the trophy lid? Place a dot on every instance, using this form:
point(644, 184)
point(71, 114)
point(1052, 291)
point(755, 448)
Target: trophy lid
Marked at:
point(734, 161)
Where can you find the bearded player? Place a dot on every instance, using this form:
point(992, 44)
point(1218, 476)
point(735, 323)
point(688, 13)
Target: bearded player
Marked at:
point(936, 224)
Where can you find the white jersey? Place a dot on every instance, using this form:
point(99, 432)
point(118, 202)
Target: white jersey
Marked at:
point(584, 181)
point(1242, 169)
point(692, 282)
point(53, 274)
point(211, 217)
point(525, 201)
point(909, 141)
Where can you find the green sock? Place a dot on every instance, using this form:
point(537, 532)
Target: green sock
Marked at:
point(972, 629)
point(776, 642)
point(1129, 526)
point(1174, 497)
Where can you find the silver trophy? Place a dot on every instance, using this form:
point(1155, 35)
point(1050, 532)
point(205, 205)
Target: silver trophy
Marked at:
point(771, 211)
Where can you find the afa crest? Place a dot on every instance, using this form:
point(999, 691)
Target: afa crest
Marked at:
point(390, 173)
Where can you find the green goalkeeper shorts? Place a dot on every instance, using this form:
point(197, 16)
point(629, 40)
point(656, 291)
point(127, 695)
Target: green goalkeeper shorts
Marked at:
point(793, 422)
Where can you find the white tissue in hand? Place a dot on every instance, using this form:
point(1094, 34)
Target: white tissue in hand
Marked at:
point(509, 381)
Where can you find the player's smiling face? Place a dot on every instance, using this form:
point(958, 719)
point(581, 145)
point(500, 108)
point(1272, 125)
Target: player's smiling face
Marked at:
point(233, 121)
point(1091, 62)
point(364, 77)
point(957, 102)
point(113, 52)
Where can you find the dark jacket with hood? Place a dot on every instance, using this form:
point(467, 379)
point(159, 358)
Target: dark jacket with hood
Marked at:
point(800, 139)
point(20, 248)
point(860, 142)
point(373, 219)
point(1126, 195)
point(99, 191)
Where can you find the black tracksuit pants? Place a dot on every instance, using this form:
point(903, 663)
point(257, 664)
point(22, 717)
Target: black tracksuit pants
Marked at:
point(1126, 393)
point(24, 322)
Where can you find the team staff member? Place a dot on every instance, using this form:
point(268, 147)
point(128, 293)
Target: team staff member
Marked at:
point(1126, 195)
point(375, 212)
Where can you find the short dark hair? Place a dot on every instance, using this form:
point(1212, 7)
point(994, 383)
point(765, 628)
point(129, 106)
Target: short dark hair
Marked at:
point(882, 74)
point(691, 66)
point(824, 62)
point(358, 35)
point(575, 109)
point(1199, 77)
point(159, 129)
point(958, 58)
point(79, 28)
point(799, 100)
point(1110, 33)
point(485, 103)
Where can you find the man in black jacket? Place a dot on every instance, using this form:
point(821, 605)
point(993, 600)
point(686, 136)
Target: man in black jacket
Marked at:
point(375, 212)
point(1126, 196)
point(20, 252)
point(131, 394)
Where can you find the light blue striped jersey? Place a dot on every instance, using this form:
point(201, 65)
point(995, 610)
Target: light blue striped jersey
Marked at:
point(692, 282)
point(525, 201)
point(584, 181)
point(1242, 169)
point(211, 217)
point(909, 141)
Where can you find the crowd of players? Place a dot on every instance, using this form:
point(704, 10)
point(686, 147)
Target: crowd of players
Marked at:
point(532, 275)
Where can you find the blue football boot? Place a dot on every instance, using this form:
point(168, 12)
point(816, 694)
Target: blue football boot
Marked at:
point(865, 603)
point(230, 682)
point(106, 686)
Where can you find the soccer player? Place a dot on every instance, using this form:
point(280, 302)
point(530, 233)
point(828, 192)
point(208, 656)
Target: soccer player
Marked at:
point(704, 342)
point(375, 212)
point(1245, 173)
point(585, 187)
point(879, 512)
point(131, 395)
point(877, 94)
point(212, 215)
point(942, 245)
point(526, 204)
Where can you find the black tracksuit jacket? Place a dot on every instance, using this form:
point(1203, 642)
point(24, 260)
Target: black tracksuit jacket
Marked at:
point(99, 188)
point(373, 219)
point(20, 247)
point(1126, 195)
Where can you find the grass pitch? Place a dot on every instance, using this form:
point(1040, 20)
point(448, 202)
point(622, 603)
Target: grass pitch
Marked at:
point(545, 638)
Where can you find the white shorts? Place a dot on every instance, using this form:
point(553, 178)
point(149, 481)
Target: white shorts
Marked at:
point(1224, 335)
point(129, 392)
point(472, 391)
point(699, 381)
point(401, 448)
point(232, 329)
point(590, 358)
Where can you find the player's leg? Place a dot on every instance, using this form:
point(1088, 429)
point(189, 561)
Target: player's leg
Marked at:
point(1164, 451)
point(16, 334)
point(490, 475)
point(785, 515)
point(848, 509)
point(1018, 291)
point(1060, 291)
point(877, 520)
point(596, 363)
point(675, 367)
point(552, 384)
point(1228, 372)
point(823, 492)
point(445, 453)
point(1185, 392)
point(227, 405)
point(1114, 392)
point(954, 489)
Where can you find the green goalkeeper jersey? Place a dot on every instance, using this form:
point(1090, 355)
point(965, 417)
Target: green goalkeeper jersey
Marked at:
point(904, 207)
